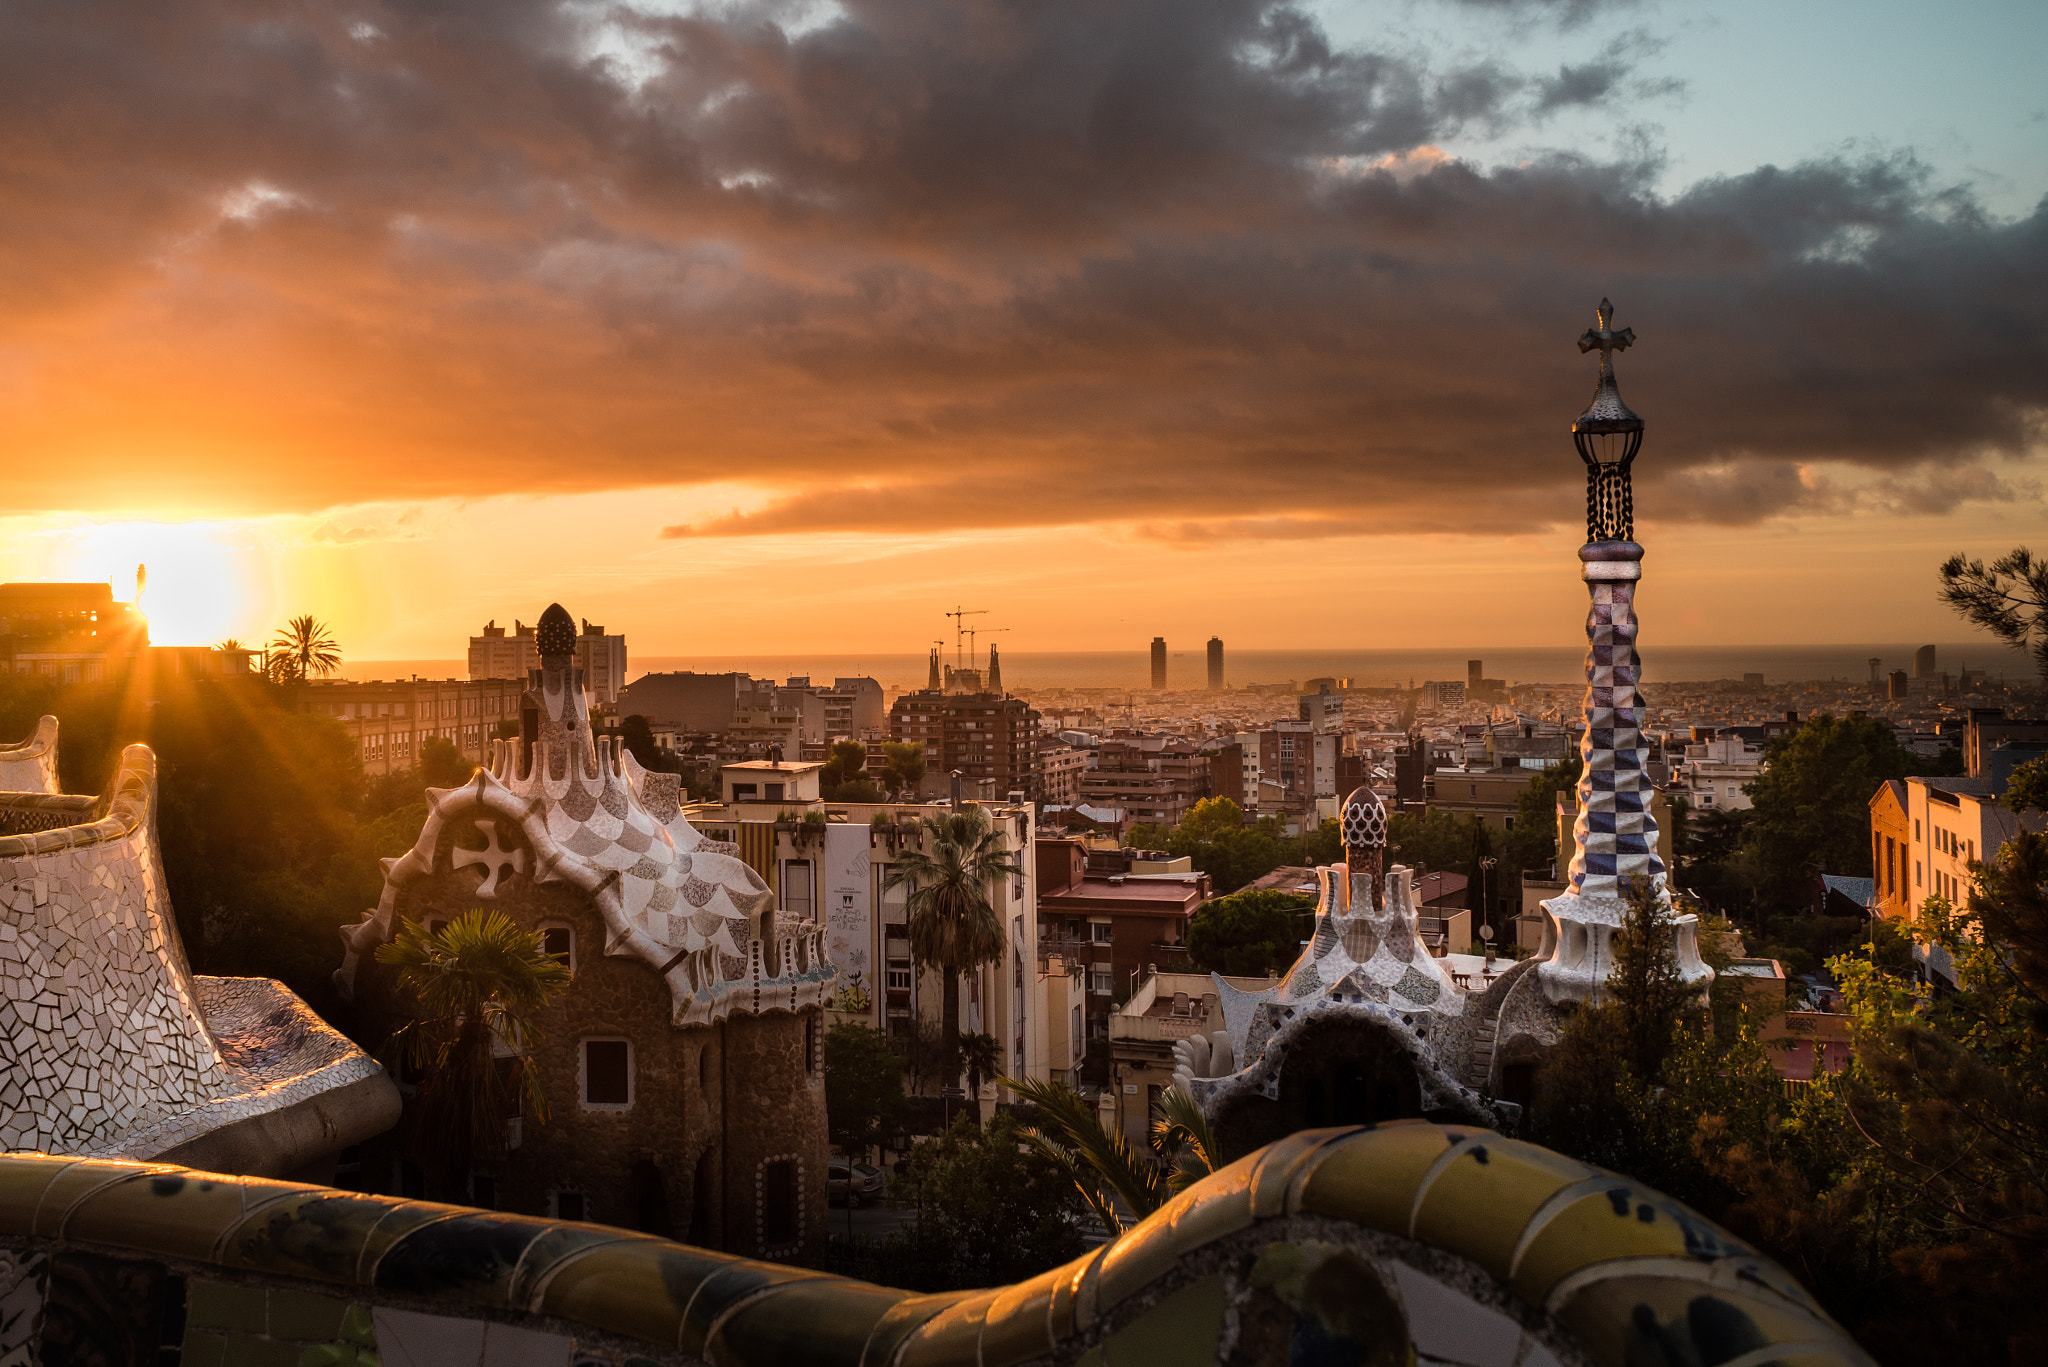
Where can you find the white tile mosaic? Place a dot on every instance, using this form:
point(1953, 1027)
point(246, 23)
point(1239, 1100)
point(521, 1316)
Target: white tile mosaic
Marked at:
point(579, 813)
point(108, 1045)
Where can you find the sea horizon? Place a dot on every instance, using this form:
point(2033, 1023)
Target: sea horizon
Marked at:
point(1187, 670)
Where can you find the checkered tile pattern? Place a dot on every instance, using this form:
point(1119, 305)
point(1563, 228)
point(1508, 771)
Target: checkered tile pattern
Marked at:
point(1615, 835)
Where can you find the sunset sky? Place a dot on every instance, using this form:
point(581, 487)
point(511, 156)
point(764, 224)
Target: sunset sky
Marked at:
point(768, 327)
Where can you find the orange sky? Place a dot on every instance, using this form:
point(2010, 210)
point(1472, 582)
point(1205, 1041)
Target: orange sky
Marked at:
point(1115, 319)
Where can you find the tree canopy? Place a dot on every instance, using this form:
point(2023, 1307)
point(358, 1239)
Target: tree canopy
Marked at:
point(1249, 934)
point(990, 1210)
point(2008, 598)
point(1217, 841)
point(1811, 804)
point(863, 1087)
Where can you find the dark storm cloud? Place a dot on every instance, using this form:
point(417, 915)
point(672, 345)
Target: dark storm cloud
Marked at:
point(1184, 266)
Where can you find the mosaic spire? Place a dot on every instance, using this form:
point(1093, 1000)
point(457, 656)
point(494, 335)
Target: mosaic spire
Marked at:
point(1614, 838)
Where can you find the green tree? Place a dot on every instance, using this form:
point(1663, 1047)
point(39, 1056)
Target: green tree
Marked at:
point(863, 1088)
point(1812, 802)
point(476, 983)
point(1532, 844)
point(2008, 598)
point(902, 766)
point(637, 734)
point(1213, 818)
point(953, 924)
point(1649, 996)
point(1438, 842)
point(2028, 788)
point(1951, 1094)
point(1248, 934)
point(302, 648)
point(442, 765)
point(990, 1210)
point(1118, 1184)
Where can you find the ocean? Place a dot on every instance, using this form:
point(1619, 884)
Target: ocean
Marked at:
point(1188, 669)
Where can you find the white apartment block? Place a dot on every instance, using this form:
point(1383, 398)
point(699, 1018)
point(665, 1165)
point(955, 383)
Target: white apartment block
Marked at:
point(1713, 773)
point(836, 871)
point(602, 658)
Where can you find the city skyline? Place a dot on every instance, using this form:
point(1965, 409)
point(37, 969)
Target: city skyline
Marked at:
point(1200, 308)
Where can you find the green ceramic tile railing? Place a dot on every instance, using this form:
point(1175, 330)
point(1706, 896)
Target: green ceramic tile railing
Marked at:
point(1581, 1252)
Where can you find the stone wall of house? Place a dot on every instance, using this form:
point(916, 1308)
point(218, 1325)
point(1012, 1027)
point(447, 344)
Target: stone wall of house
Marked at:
point(678, 1161)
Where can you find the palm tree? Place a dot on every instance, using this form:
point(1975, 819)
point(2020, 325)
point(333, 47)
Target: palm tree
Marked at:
point(982, 1056)
point(1112, 1177)
point(477, 982)
point(230, 644)
point(953, 924)
point(302, 648)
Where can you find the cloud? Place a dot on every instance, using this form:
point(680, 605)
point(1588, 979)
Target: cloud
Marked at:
point(913, 265)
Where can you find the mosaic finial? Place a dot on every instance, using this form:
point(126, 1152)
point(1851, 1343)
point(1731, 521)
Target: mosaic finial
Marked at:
point(1364, 826)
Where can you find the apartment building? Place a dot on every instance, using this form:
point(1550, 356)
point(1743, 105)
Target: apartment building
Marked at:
point(832, 864)
point(1715, 770)
point(1301, 760)
point(1952, 822)
point(497, 654)
point(1057, 771)
point(1106, 911)
point(74, 633)
point(1891, 851)
point(1152, 778)
point(989, 739)
point(391, 721)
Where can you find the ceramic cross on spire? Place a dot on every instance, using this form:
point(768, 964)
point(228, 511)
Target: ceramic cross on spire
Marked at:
point(1605, 337)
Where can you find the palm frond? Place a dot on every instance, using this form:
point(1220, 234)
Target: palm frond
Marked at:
point(1180, 1134)
point(1101, 1164)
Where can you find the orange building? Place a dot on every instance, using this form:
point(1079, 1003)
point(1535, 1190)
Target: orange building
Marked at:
point(1891, 832)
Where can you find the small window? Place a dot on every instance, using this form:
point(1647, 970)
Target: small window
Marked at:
point(1103, 932)
point(899, 975)
point(774, 793)
point(559, 941)
point(796, 888)
point(1098, 981)
point(607, 1074)
point(569, 1205)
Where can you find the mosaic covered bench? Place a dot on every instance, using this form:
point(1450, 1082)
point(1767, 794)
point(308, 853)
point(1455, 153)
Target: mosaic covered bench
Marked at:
point(1411, 1242)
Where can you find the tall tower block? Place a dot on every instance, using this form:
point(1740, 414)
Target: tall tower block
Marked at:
point(1159, 662)
point(1215, 664)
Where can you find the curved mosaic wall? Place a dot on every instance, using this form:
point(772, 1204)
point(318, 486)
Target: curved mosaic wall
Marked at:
point(1409, 1242)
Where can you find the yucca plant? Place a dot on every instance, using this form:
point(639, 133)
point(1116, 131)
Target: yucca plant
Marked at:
point(476, 982)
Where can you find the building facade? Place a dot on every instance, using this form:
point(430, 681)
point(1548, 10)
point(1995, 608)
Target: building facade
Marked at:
point(601, 657)
point(831, 862)
point(390, 722)
point(684, 1063)
point(989, 739)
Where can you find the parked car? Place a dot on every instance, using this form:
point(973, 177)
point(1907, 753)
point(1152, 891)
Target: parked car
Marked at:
point(857, 1182)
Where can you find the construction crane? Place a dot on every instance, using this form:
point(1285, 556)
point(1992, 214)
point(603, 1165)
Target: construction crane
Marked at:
point(983, 631)
point(960, 630)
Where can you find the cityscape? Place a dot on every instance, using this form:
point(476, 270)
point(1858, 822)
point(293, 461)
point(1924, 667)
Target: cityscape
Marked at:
point(1009, 686)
